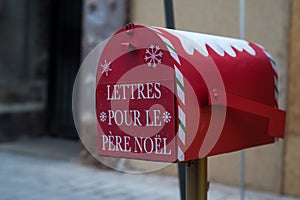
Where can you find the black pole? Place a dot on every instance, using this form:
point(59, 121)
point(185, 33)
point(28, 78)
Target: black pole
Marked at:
point(169, 15)
point(181, 176)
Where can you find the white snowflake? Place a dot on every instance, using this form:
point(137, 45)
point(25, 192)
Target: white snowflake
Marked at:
point(166, 117)
point(153, 56)
point(106, 67)
point(102, 116)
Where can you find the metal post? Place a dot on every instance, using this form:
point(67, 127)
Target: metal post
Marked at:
point(191, 180)
point(196, 180)
point(202, 178)
point(242, 155)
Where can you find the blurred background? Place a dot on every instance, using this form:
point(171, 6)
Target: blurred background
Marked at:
point(42, 44)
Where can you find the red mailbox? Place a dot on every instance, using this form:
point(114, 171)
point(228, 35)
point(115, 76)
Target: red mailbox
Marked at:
point(168, 95)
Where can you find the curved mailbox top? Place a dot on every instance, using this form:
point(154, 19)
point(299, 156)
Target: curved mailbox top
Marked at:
point(168, 95)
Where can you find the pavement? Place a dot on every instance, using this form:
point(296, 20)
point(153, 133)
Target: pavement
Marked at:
point(49, 169)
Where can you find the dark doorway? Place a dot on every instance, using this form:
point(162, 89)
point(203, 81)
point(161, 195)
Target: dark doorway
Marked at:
point(24, 60)
point(64, 64)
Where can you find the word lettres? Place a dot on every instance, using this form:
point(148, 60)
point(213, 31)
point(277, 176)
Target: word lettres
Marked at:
point(133, 91)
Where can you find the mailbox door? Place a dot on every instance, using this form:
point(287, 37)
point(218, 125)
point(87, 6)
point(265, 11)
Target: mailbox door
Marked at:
point(135, 101)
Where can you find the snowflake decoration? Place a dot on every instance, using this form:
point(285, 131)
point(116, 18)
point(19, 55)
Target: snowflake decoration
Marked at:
point(153, 56)
point(102, 116)
point(166, 117)
point(106, 67)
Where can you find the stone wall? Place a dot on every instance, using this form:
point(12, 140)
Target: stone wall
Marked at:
point(292, 155)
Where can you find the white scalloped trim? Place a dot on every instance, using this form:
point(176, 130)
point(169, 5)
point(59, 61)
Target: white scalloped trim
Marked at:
point(219, 44)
